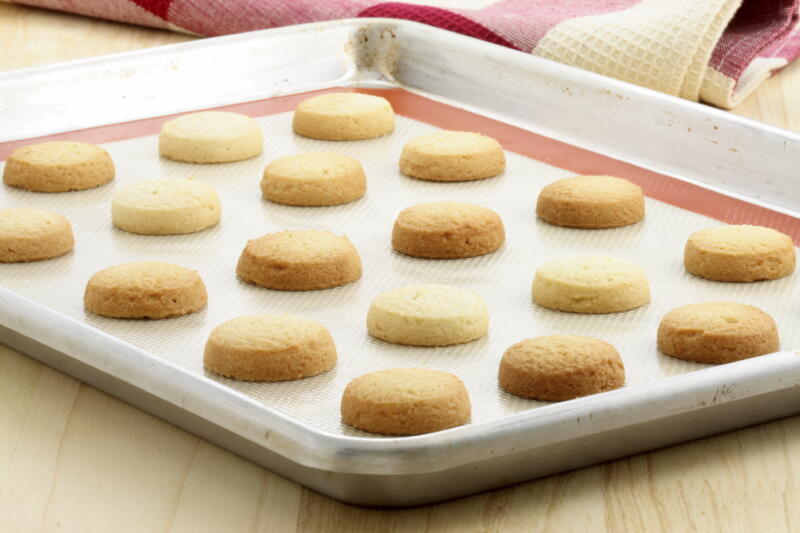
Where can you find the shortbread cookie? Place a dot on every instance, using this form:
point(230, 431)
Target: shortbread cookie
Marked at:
point(150, 289)
point(444, 230)
point(210, 137)
point(739, 253)
point(591, 202)
point(452, 156)
point(561, 367)
point(300, 261)
point(58, 166)
point(32, 235)
point(269, 348)
point(165, 207)
point(405, 401)
point(343, 117)
point(316, 179)
point(428, 315)
point(717, 332)
point(590, 284)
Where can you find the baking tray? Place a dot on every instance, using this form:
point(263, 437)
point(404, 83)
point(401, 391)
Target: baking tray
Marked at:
point(583, 123)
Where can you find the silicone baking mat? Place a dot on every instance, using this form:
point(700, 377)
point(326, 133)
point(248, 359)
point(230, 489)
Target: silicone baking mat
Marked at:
point(503, 278)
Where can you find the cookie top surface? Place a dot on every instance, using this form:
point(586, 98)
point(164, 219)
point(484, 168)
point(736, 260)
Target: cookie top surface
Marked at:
point(58, 153)
point(405, 401)
point(431, 300)
point(210, 125)
point(144, 276)
point(343, 104)
point(166, 194)
point(300, 246)
point(20, 223)
point(591, 270)
point(717, 332)
point(449, 143)
point(740, 240)
point(275, 332)
point(718, 319)
point(560, 367)
point(593, 189)
point(404, 385)
point(443, 216)
point(60, 166)
point(559, 354)
point(313, 166)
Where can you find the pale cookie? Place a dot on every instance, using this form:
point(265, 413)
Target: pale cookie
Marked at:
point(32, 235)
point(269, 348)
point(299, 261)
point(405, 401)
point(58, 166)
point(165, 207)
point(591, 202)
point(717, 332)
point(590, 284)
point(150, 289)
point(428, 315)
point(452, 156)
point(739, 253)
point(343, 117)
point(445, 230)
point(561, 367)
point(315, 179)
point(210, 137)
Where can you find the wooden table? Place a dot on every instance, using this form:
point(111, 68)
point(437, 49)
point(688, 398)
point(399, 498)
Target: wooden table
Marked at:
point(75, 459)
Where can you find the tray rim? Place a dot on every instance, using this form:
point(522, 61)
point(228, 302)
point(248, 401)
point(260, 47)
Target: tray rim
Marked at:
point(367, 23)
point(390, 455)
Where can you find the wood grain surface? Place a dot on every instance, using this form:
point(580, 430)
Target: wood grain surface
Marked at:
point(75, 459)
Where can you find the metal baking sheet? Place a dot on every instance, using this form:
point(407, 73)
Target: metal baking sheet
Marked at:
point(294, 427)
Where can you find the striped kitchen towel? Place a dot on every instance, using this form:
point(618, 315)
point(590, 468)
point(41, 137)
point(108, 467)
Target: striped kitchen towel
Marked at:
point(717, 51)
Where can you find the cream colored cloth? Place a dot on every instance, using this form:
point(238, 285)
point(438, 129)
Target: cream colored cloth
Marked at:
point(661, 44)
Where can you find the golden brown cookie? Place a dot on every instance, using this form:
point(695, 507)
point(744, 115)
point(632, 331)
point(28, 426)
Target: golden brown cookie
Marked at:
point(150, 289)
point(452, 156)
point(591, 202)
point(210, 137)
point(269, 348)
point(561, 367)
point(446, 230)
point(343, 117)
point(58, 166)
point(33, 235)
point(717, 332)
point(315, 179)
point(739, 253)
point(428, 315)
point(299, 261)
point(590, 284)
point(405, 401)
